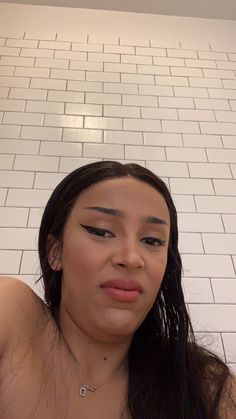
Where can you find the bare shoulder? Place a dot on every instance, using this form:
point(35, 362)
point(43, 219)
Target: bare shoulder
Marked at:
point(20, 310)
point(227, 407)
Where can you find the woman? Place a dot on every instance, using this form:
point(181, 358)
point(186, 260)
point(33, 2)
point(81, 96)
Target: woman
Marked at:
point(119, 335)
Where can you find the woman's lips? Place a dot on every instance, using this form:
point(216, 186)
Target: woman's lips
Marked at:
point(122, 289)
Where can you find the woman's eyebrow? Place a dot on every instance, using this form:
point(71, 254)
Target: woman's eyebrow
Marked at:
point(151, 219)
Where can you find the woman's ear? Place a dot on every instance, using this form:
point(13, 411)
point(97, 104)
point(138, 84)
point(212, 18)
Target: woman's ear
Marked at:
point(54, 253)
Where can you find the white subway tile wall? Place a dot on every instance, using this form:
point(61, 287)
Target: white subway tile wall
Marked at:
point(71, 99)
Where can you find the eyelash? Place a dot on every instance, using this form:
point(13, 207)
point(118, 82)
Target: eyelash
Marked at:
point(99, 232)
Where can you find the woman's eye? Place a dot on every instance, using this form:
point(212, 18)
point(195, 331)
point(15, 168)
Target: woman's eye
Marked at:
point(153, 241)
point(97, 231)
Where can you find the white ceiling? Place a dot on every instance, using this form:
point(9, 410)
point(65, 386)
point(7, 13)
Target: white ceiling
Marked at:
point(215, 9)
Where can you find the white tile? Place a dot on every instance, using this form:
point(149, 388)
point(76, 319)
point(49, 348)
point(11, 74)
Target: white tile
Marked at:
point(14, 81)
point(225, 187)
point(63, 121)
point(60, 149)
point(144, 152)
point(197, 290)
point(200, 63)
point(100, 76)
point(119, 49)
point(120, 68)
point(2, 41)
point(35, 217)
point(122, 111)
point(86, 65)
point(200, 140)
point(44, 164)
point(222, 156)
point(103, 123)
point(35, 94)
point(18, 147)
point(229, 341)
point(171, 140)
point(177, 62)
point(37, 53)
point(41, 133)
point(55, 45)
point(183, 71)
point(137, 79)
point(208, 266)
point(120, 88)
point(219, 243)
point(17, 61)
point(142, 125)
point(229, 141)
point(218, 128)
point(186, 154)
point(21, 43)
point(220, 74)
point(83, 109)
point(136, 40)
point(84, 86)
point(181, 53)
point(70, 55)
point(229, 223)
point(6, 71)
point(61, 96)
point(9, 261)
point(216, 204)
point(153, 69)
point(156, 90)
point(9, 131)
point(22, 118)
point(51, 63)
point(37, 34)
point(6, 162)
point(4, 92)
point(190, 243)
point(136, 100)
point(14, 179)
point(159, 113)
point(184, 203)
point(212, 104)
point(103, 151)
point(233, 105)
point(45, 107)
point(30, 262)
point(67, 164)
point(222, 93)
point(13, 217)
point(67, 74)
point(205, 82)
point(190, 92)
point(181, 127)
point(164, 42)
point(225, 65)
point(32, 72)
point(168, 168)
point(86, 47)
point(103, 98)
point(18, 238)
point(103, 57)
point(233, 167)
point(191, 186)
point(11, 52)
point(27, 198)
point(123, 137)
point(53, 84)
point(209, 170)
point(175, 102)
point(171, 81)
point(12, 105)
point(3, 194)
point(103, 39)
point(196, 115)
point(200, 223)
point(206, 55)
point(224, 290)
point(44, 181)
point(213, 317)
point(82, 135)
point(224, 116)
point(136, 59)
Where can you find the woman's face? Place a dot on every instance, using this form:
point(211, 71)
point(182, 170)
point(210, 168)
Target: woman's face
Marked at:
point(114, 255)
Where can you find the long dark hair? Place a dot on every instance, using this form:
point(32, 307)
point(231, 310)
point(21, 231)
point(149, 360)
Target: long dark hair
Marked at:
point(170, 375)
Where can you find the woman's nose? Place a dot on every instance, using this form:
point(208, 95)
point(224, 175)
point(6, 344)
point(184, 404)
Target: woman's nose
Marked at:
point(129, 256)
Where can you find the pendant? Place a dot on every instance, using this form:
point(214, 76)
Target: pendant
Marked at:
point(83, 390)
